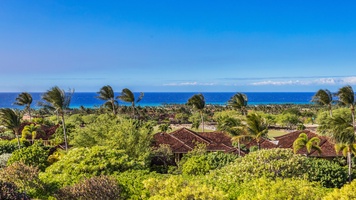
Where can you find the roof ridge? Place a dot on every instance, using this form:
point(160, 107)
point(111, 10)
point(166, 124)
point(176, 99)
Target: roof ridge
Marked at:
point(180, 141)
point(196, 134)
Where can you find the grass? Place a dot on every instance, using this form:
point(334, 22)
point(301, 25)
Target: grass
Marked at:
point(275, 133)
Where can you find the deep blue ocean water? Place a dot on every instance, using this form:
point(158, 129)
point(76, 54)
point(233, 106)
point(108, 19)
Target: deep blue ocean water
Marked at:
point(88, 100)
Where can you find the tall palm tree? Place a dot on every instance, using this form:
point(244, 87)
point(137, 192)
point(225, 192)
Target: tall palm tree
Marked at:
point(239, 101)
point(198, 103)
point(128, 96)
point(24, 99)
point(324, 98)
point(347, 97)
point(11, 120)
point(303, 141)
point(343, 134)
point(106, 93)
point(58, 100)
point(256, 127)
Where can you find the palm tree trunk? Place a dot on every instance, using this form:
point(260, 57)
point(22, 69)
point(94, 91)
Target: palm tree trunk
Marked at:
point(238, 146)
point(113, 107)
point(64, 133)
point(29, 113)
point(353, 116)
point(349, 162)
point(133, 110)
point(18, 139)
point(330, 111)
point(202, 119)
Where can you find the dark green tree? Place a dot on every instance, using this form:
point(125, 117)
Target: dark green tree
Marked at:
point(58, 100)
point(346, 97)
point(129, 97)
point(197, 101)
point(106, 93)
point(256, 127)
point(324, 98)
point(10, 119)
point(239, 101)
point(24, 99)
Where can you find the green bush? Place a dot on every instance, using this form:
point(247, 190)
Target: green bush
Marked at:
point(34, 155)
point(328, 173)
point(99, 187)
point(272, 164)
point(10, 191)
point(131, 183)
point(177, 188)
point(202, 164)
point(8, 146)
point(80, 163)
point(346, 192)
point(264, 189)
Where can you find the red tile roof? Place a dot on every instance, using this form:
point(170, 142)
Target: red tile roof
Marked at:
point(184, 140)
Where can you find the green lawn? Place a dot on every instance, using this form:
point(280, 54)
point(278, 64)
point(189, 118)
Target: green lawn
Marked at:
point(274, 133)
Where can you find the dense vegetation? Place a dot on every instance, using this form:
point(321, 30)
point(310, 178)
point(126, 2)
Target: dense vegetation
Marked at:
point(106, 152)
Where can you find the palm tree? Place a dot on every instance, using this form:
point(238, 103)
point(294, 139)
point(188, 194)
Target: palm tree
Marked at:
point(198, 103)
point(10, 119)
point(324, 98)
point(239, 101)
point(128, 96)
point(347, 97)
point(58, 100)
point(106, 93)
point(303, 141)
point(24, 99)
point(30, 130)
point(343, 134)
point(234, 127)
point(256, 127)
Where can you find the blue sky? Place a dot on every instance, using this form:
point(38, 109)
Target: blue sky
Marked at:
point(177, 46)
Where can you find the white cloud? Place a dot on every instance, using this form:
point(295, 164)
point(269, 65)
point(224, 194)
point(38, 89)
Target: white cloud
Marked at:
point(319, 81)
point(188, 84)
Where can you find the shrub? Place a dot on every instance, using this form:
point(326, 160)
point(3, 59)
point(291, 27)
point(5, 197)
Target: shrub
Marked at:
point(24, 177)
point(177, 188)
point(34, 155)
point(9, 146)
point(264, 188)
point(328, 173)
point(346, 192)
point(81, 163)
point(10, 191)
point(100, 187)
point(272, 164)
point(131, 182)
point(202, 164)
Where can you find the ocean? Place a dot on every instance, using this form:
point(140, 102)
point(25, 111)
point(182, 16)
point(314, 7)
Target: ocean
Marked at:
point(89, 100)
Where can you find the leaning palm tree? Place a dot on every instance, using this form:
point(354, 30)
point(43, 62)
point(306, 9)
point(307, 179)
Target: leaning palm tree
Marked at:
point(239, 101)
point(342, 133)
point(10, 119)
point(324, 98)
point(303, 141)
point(106, 93)
point(347, 97)
point(58, 100)
point(256, 127)
point(128, 96)
point(198, 103)
point(24, 99)
point(234, 127)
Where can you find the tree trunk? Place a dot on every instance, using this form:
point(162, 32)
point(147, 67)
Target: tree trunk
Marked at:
point(29, 113)
point(202, 119)
point(113, 107)
point(18, 139)
point(133, 110)
point(330, 111)
point(64, 133)
point(349, 162)
point(238, 146)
